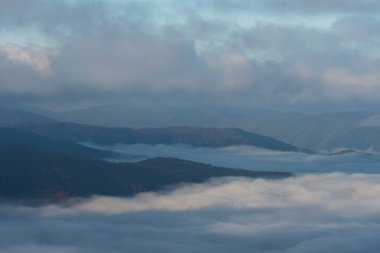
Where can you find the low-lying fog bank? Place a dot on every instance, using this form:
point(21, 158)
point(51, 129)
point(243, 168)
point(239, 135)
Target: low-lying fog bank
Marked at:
point(251, 158)
point(310, 213)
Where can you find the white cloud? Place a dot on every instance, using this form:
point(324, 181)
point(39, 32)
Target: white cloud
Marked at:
point(310, 213)
point(36, 57)
point(345, 195)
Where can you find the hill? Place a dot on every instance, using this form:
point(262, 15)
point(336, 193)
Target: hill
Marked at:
point(11, 136)
point(10, 117)
point(195, 136)
point(351, 130)
point(27, 172)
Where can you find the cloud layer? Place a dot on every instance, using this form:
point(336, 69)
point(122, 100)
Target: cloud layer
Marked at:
point(251, 158)
point(311, 213)
point(289, 52)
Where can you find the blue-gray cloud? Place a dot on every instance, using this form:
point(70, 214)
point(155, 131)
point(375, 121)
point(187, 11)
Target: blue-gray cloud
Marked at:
point(328, 6)
point(203, 49)
point(252, 158)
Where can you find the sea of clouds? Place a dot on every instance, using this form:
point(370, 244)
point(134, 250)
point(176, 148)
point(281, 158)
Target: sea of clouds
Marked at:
point(250, 158)
point(331, 204)
point(308, 213)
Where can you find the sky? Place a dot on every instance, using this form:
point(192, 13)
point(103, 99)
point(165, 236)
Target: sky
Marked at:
point(295, 54)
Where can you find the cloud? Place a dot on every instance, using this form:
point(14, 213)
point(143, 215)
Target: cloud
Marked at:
point(35, 57)
point(373, 121)
point(132, 59)
point(24, 72)
point(314, 191)
point(119, 50)
point(329, 6)
point(310, 213)
point(250, 158)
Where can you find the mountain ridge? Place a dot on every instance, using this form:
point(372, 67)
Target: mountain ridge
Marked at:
point(323, 131)
point(195, 136)
point(12, 116)
point(49, 175)
point(14, 136)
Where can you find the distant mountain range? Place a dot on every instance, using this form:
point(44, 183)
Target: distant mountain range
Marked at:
point(10, 117)
point(195, 136)
point(40, 158)
point(27, 172)
point(352, 130)
point(348, 130)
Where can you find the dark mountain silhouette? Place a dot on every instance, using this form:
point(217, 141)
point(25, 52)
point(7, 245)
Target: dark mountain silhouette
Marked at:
point(13, 136)
point(195, 136)
point(10, 117)
point(27, 172)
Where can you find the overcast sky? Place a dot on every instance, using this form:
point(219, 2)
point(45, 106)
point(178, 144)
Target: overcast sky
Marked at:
point(268, 53)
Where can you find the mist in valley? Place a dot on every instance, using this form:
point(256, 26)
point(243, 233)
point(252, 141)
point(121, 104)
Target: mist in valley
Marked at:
point(310, 213)
point(251, 158)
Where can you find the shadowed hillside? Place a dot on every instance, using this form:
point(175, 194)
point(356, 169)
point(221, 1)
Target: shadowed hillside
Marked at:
point(34, 173)
point(357, 130)
point(10, 117)
point(195, 136)
point(11, 136)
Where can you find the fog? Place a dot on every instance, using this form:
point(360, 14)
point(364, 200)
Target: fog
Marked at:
point(318, 210)
point(310, 213)
point(250, 158)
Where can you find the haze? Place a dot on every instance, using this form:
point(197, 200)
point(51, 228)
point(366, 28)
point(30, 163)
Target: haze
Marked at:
point(189, 126)
point(300, 55)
